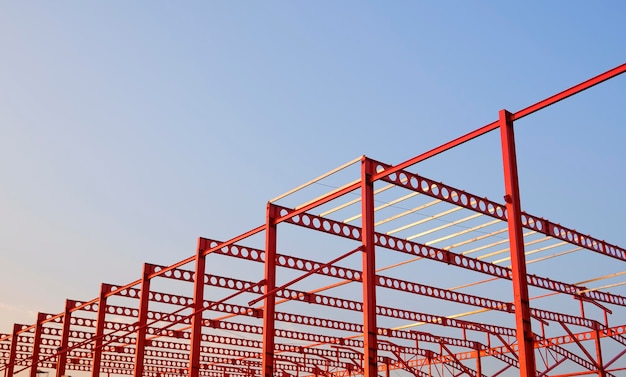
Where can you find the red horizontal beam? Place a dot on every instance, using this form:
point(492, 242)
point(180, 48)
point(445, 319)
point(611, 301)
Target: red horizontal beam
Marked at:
point(445, 256)
point(516, 116)
point(461, 198)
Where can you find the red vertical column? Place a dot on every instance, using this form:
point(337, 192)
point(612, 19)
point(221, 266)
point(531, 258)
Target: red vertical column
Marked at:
point(601, 370)
point(13, 352)
point(525, 340)
point(198, 306)
point(370, 346)
point(479, 367)
point(37, 344)
point(269, 302)
point(387, 370)
point(65, 335)
point(142, 321)
point(96, 356)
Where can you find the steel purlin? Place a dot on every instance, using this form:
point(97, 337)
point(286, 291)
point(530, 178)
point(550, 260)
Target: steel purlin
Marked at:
point(426, 337)
point(558, 316)
point(129, 359)
point(283, 333)
point(257, 355)
point(118, 339)
point(152, 315)
point(213, 360)
point(392, 312)
point(403, 178)
point(356, 343)
point(457, 363)
point(285, 262)
point(161, 297)
point(26, 351)
point(307, 297)
point(82, 321)
point(255, 364)
point(507, 359)
point(538, 313)
point(507, 307)
point(321, 352)
point(28, 329)
point(387, 346)
point(313, 361)
point(222, 307)
point(464, 356)
point(416, 249)
point(553, 344)
point(575, 358)
point(87, 306)
point(256, 344)
point(444, 294)
point(152, 363)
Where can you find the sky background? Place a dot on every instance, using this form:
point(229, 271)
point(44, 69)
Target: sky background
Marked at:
point(128, 129)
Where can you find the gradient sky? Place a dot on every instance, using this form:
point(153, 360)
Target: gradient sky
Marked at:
point(128, 129)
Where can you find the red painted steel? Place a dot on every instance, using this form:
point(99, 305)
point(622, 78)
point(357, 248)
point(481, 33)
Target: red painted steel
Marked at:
point(570, 92)
point(36, 344)
point(99, 333)
point(242, 333)
point(269, 303)
point(521, 299)
point(198, 302)
point(599, 363)
point(444, 256)
point(516, 116)
point(140, 337)
point(62, 351)
point(10, 366)
point(370, 347)
point(287, 260)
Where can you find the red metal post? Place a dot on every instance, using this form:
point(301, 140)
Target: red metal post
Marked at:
point(525, 340)
point(269, 302)
point(370, 339)
point(479, 367)
point(430, 368)
point(142, 321)
point(13, 352)
point(96, 356)
point(387, 369)
point(518, 115)
point(601, 370)
point(198, 306)
point(65, 335)
point(37, 344)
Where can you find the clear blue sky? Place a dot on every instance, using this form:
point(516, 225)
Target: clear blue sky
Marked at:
point(128, 129)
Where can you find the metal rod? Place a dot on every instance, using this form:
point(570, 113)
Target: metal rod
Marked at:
point(315, 180)
point(304, 276)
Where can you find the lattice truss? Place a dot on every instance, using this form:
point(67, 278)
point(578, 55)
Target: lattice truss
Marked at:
point(369, 269)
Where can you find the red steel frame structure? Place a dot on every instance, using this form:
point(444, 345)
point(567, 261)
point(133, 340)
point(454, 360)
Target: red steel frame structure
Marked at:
point(337, 321)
